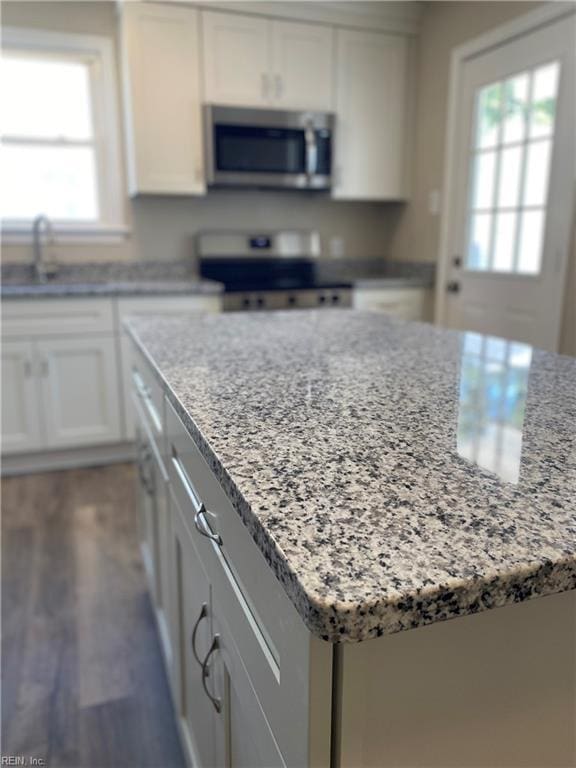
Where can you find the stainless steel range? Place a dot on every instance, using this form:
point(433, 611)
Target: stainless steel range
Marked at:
point(268, 270)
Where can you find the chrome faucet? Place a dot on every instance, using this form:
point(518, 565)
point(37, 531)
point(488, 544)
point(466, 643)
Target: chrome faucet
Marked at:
point(42, 268)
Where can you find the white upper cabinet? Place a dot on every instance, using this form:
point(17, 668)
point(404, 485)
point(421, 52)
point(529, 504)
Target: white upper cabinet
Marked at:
point(162, 99)
point(372, 107)
point(254, 62)
point(236, 59)
point(303, 66)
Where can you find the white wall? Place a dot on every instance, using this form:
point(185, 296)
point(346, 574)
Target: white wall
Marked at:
point(163, 228)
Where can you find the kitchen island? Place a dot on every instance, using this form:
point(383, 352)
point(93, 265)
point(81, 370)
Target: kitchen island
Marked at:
point(391, 476)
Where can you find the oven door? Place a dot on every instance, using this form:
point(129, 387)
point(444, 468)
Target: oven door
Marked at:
point(267, 148)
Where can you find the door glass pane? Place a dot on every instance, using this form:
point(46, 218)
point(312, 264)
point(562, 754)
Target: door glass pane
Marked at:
point(479, 245)
point(512, 151)
point(484, 179)
point(537, 168)
point(489, 115)
point(504, 237)
point(509, 182)
point(45, 99)
point(515, 108)
point(57, 181)
point(543, 109)
point(531, 240)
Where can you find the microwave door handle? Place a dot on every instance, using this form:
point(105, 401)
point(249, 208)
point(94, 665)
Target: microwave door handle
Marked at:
point(311, 151)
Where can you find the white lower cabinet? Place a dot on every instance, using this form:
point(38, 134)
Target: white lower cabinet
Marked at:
point(58, 393)
point(404, 303)
point(79, 384)
point(251, 686)
point(194, 631)
point(21, 428)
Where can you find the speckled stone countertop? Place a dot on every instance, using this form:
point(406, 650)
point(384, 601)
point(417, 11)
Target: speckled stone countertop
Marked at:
point(393, 474)
point(106, 279)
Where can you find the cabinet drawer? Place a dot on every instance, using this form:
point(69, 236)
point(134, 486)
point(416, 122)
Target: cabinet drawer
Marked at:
point(148, 393)
point(57, 316)
point(270, 636)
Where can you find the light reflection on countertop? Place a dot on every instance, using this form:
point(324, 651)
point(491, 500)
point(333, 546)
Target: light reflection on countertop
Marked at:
point(493, 388)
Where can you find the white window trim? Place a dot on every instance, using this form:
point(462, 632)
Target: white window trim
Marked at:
point(111, 186)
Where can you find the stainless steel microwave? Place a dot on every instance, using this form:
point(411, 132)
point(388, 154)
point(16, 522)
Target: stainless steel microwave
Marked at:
point(268, 148)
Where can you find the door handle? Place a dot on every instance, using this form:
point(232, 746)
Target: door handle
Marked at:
point(279, 86)
point(206, 672)
point(311, 150)
point(203, 528)
point(453, 287)
point(203, 614)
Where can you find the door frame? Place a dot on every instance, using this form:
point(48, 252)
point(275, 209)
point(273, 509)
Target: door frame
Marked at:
point(507, 32)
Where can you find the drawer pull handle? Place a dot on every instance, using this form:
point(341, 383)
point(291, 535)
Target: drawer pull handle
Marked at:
point(203, 614)
point(203, 528)
point(205, 673)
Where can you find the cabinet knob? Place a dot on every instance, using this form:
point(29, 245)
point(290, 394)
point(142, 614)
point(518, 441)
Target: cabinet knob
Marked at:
point(453, 287)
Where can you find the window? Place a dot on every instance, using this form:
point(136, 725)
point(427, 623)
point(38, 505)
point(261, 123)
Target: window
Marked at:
point(59, 150)
point(510, 170)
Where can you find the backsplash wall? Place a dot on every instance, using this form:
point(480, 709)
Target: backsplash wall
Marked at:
point(164, 227)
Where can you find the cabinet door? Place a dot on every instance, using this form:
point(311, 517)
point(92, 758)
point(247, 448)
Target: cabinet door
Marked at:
point(243, 738)
point(192, 608)
point(147, 515)
point(21, 430)
point(80, 390)
point(371, 99)
point(236, 59)
point(303, 66)
point(161, 69)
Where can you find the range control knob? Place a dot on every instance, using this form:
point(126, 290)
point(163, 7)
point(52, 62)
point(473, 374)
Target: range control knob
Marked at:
point(246, 302)
point(335, 298)
point(260, 302)
point(291, 300)
point(322, 299)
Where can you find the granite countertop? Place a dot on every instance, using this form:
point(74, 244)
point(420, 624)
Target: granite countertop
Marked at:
point(107, 279)
point(393, 474)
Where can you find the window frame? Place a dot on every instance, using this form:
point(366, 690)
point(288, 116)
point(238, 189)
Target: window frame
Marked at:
point(99, 53)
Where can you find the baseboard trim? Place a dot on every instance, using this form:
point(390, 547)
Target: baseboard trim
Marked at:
point(71, 458)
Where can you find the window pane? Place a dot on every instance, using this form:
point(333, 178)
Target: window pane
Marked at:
point(42, 98)
point(504, 242)
point(515, 108)
point(57, 181)
point(537, 168)
point(509, 182)
point(485, 164)
point(543, 107)
point(530, 246)
point(489, 115)
point(479, 245)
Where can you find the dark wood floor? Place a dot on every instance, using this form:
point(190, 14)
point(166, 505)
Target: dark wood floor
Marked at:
point(83, 683)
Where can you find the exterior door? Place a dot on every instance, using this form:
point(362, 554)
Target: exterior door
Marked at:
point(21, 429)
point(513, 187)
point(79, 391)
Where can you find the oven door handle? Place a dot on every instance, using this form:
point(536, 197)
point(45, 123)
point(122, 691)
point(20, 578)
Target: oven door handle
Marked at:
point(311, 150)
